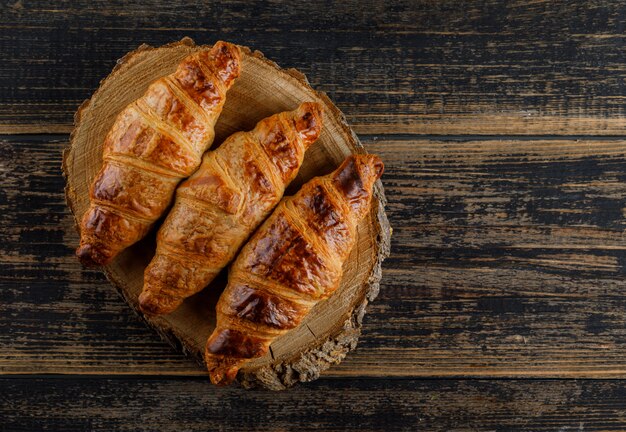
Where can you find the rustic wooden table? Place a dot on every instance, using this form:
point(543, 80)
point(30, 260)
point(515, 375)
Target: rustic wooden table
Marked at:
point(503, 303)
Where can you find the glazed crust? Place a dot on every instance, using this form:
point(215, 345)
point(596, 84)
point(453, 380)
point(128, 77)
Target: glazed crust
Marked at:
point(293, 261)
point(155, 142)
point(222, 203)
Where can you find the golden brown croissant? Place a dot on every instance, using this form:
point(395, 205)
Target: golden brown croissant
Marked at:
point(293, 261)
point(218, 207)
point(155, 142)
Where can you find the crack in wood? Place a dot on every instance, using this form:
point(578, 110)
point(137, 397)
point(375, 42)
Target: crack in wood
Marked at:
point(309, 328)
point(272, 354)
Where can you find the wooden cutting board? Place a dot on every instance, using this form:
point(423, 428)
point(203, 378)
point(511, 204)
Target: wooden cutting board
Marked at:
point(333, 327)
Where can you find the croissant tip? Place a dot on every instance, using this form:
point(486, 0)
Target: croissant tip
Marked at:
point(146, 304)
point(227, 57)
point(151, 304)
point(223, 376)
point(90, 256)
point(227, 47)
point(378, 165)
point(309, 121)
point(310, 106)
point(311, 109)
point(372, 161)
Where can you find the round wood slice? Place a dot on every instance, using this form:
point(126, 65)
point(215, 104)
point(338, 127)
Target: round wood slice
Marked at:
point(263, 89)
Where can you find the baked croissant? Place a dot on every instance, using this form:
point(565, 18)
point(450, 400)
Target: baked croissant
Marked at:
point(155, 142)
point(293, 261)
point(220, 205)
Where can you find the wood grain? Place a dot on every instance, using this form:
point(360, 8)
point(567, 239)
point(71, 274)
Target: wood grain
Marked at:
point(356, 405)
point(426, 67)
point(508, 259)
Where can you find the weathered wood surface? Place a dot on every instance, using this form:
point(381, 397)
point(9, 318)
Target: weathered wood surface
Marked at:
point(508, 259)
point(337, 405)
point(428, 67)
point(508, 255)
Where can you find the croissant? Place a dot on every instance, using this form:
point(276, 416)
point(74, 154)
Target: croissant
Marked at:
point(293, 261)
point(218, 207)
point(155, 142)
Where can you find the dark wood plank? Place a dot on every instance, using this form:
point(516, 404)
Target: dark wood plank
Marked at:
point(508, 259)
point(52, 309)
point(429, 67)
point(359, 405)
